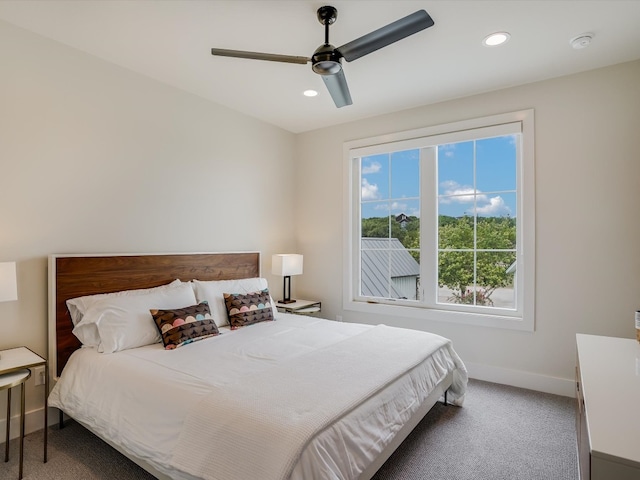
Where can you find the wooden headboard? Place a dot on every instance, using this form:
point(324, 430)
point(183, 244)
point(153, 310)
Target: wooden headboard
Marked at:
point(73, 276)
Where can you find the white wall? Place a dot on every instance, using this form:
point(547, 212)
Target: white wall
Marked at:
point(587, 220)
point(95, 158)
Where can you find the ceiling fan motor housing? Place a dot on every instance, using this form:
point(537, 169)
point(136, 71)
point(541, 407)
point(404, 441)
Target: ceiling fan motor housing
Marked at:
point(326, 60)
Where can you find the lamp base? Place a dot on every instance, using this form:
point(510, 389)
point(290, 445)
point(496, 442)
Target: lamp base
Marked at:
point(286, 290)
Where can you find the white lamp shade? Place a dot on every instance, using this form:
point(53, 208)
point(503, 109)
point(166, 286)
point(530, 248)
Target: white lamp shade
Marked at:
point(8, 283)
point(286, 264)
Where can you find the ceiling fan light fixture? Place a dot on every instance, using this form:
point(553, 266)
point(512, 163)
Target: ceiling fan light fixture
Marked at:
point(327, 67)
point(326, 60)
point(495, 39)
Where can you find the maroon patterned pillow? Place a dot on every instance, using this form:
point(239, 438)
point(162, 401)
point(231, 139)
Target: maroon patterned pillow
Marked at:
point(181, 326)
point(248, 308)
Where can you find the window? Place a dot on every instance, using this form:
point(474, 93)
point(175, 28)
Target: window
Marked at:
point(440, 223)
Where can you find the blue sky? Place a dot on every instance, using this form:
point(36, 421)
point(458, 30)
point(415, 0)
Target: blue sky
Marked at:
point(390, 182)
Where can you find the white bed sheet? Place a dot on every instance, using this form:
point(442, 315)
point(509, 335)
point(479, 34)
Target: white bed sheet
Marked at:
point(156, 389)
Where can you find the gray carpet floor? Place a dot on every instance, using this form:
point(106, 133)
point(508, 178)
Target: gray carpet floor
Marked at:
point(501, 432)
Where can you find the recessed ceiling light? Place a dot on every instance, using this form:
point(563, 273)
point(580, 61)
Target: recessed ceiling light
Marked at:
point(496, 39)
point(310, 93)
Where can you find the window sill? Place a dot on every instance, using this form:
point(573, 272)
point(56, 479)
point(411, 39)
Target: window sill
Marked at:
point(477, 319)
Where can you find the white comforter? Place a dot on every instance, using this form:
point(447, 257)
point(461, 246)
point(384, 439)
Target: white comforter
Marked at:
point(157, 412)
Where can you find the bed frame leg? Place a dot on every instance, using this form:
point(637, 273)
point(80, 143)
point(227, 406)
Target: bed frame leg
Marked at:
point(445, 397)
point(61, 419)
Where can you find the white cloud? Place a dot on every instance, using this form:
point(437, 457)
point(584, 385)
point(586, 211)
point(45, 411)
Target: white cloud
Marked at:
point(495, 207)
point(373, 167)
point(460, 193)
point(448, 149)
point(464, 194)
point(399, 207)
point(369, 191)
point(406, 209)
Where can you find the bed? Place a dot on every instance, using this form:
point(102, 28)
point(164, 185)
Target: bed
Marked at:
point(339, 397)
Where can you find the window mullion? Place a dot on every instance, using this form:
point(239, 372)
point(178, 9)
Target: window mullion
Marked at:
point(429, 224)
point(475, 225)
point(389, 226)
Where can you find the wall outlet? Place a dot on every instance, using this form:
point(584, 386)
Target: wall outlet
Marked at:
point(38, 374)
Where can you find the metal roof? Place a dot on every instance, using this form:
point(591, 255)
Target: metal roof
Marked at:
point(381, 257)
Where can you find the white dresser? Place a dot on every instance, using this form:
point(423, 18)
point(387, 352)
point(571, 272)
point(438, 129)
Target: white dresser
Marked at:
point(608, 411)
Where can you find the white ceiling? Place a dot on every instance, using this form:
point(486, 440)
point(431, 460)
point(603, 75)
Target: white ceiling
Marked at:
point(170, 41)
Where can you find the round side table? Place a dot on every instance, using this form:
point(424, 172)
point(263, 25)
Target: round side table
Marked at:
point(7, 382)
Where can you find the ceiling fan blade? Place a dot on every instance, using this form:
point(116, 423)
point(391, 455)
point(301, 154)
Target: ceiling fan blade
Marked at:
point(338, 88)
point(386, 35)
point(272, 57)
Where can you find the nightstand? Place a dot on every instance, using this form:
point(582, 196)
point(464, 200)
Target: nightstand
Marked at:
point(301, 307)
point(15, 365)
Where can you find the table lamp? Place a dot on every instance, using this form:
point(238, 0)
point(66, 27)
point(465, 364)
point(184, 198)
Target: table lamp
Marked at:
point(8, 283)
point(286, 264)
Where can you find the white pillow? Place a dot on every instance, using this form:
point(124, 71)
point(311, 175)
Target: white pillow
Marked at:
point(87, 332)
point(79, 305)
point(125, 321)
point(213, 290)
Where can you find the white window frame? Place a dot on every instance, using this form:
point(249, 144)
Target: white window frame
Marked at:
point(521, 319)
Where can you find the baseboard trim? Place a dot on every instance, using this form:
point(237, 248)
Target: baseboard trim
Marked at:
point(521, 379)
point(33, 421)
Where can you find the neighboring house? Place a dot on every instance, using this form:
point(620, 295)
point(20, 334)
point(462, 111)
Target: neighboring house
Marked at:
point(384, 258)
point(402, 219)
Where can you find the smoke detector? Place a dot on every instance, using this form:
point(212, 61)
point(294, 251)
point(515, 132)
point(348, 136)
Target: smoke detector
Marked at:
point(581, 41)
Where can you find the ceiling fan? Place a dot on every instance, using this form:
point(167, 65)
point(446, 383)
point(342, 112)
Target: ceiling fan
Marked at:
point(327, 59)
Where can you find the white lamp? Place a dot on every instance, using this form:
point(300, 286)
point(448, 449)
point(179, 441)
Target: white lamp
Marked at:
point(8, 283)
point(286, 264)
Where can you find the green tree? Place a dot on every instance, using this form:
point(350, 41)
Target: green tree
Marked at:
point(456, 267)
point(388, 227)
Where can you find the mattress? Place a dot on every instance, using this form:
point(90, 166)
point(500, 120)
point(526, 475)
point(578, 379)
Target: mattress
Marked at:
point(144, 400)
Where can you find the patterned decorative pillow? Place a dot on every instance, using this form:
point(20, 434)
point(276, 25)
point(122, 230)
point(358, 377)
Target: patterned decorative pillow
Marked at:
point(181, 326)
point(248, 308)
